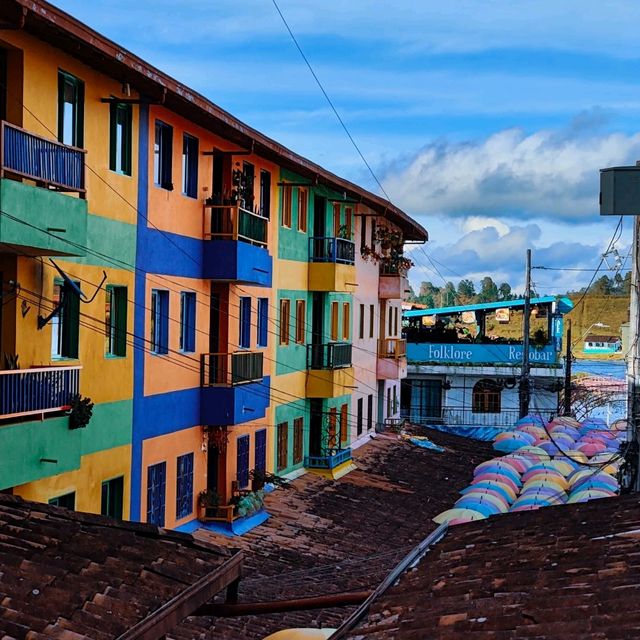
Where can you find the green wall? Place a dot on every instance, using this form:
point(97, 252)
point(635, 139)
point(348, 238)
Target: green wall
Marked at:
point(288, 413)
point(24, 444)
point(293, 357)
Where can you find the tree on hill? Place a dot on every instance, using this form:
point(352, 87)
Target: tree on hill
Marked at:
point(504, 291)
point(466, 291)
point(488, 290)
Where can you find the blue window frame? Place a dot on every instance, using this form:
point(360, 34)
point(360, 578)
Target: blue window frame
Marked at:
point(184, 485)
point(243, 461)
point(156, 490)
point(245, 322)
point(189, 166)
point(263, 321)
point(188, 321)
point(260, 463)
point(159, 321)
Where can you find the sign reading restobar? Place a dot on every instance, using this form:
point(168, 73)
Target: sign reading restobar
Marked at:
point(478, 354)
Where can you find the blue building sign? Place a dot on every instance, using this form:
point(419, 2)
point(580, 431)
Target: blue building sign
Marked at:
point(501, 354)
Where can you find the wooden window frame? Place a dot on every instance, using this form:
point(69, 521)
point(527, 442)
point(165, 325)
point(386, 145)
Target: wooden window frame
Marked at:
point(303, 210)
point(346, 321)
point(334, 321)
point(486, 397)
point(301, 317)
point(372, 314)
point(337, 219)
point(287, 197)
point(298, 440)
point(361, 326)
point(282, 457)
point(344, 423)
point(285, 320)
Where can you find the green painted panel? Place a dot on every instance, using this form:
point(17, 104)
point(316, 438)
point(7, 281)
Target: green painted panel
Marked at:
point(288, 413)
point(111, 238)
point(24, 445)
point(110, 426)
point(293, 357)
point(48, 222)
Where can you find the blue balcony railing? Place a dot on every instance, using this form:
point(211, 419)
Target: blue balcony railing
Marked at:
point(32, 391)
point(331, 459)
point(338, 250)
point(48, 162)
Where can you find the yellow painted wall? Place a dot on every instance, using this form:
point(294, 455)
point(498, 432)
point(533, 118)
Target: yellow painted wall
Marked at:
point(109, 194)
point(167, 449)
point(87, 481)
point(103, 379)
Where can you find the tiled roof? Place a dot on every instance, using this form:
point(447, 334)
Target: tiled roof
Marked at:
point(570, 572)
point(72, 575)
point(342, 536)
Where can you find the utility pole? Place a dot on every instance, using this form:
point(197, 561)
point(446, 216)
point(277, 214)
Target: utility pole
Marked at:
point(524, 377)
point(567, 373)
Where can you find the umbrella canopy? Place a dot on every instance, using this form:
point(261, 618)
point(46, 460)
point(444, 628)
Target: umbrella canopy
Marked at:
point(591, 448)
point(528, 507)
point(497, 477)
point(519, 435)
point(598, 476)
point(620, 425)
point(485, 508)
point(537, 451)
point(503, 470)
point(564, 440)
point(550, 447)
point(486, 494)
point(556, 483)
point(585, 496)
point(479, 501)
point(548, 492)
point(533, 430)
point(503, 489)
point(540, 471)
point(563, 430)
point(531, 419)
point(573, 455)
point(508, 445)
point(476, 490)
point(496, 465)
point(465, 515)
point(566, 421)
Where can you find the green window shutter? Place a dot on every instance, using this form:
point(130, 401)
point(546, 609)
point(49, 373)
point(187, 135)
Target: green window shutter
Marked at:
point(120, 346)
point(70, 323)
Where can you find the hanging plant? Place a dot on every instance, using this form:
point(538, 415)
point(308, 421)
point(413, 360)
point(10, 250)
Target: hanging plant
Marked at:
point(81, 412)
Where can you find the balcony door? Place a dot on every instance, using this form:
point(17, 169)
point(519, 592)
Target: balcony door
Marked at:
point(317, 330)
point(3, 84)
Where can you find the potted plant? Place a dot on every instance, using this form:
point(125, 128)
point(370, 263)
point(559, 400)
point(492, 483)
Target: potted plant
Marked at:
point(81, 412)
point(209, 501)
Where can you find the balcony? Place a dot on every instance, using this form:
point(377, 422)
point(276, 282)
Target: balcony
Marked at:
point(234, 389)
point(330, 459)
point(33, 392)
point(39, 219)
point(393, 283)
point(330, 373)
point(332, 265)
point(392, 360)
point(236, 246)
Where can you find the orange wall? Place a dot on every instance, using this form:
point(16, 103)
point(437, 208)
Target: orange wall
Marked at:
point(167, 449)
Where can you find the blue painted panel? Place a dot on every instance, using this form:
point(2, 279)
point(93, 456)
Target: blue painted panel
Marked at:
point(242, 262)
point(478, 354)
point(168, 253)
point(235, 405)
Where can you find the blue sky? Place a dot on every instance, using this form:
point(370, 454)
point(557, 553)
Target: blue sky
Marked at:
point(487, 121)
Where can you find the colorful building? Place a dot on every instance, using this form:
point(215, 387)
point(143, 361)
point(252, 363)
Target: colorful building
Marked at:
point(226, 341)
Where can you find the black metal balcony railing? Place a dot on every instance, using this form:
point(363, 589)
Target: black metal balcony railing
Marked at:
point(338, 250)
point(230, 369)
point(392, 269)
point(334, 355)
point(232, 222)
point(25, 392)
point(47, 161)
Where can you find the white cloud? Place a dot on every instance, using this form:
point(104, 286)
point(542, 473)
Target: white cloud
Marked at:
point(510, 174)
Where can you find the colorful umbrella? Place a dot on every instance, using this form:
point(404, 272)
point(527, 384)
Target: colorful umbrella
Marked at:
point(591, 448)
point(515, 435)
point(505, 490)
point(496, 465)
point(531, 419)
point(497, 477)
point(551, 448)
point(476, 490)
point(465, 515)
point(498, 505)
point(485, 508)
point(566, 421)
point(585, 496)
point(507, 446)
point(573, 455)
point(550, 493)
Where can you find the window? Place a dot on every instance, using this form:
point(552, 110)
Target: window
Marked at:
point(112, 495)
point(388, 402)
point(395, 399)
point(298, 440)
point(373, 233)
point(265, 194)
point(156, 490)
point(390, 314)
point(371, 320)
point(188, 321)
point(162, 156)
point(70, 110)
point(189, 166)
point(283, 445)
point(300, 321)
point(363, 234)
point(184, 485)
point(348, 222)
point(361, 328)
point(302, 210)
point(260, 454)
point(395, 321)
point(332, 440)
point(336, 220)
point(159, 321)
point(369, 412)
point(115, 313)
point(334, 321)
point(242, 452)
point(263, 321)
point(285, 310)
point(344, 423)
point(120, 138)
point(346, 321)
point(245, 322)
point(248, 179)
point(68, 500)
point(286, 206)
point(65, 324)
point(486, 397)
point(359, 417)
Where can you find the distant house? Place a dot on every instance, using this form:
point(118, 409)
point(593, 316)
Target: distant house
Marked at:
point(602, 344)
